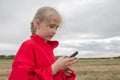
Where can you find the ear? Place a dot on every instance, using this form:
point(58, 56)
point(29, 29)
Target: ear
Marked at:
point(37, 22)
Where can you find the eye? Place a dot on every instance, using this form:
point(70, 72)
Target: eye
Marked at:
point(57, 27)
point(53, 26)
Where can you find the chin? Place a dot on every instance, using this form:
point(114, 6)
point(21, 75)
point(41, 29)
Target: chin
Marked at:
point(48, 39)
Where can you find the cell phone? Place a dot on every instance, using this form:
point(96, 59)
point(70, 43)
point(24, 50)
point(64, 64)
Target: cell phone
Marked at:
point(74, 54)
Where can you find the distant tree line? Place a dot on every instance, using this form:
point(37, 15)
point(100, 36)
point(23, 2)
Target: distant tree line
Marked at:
point(7, 56)
point(12, 56)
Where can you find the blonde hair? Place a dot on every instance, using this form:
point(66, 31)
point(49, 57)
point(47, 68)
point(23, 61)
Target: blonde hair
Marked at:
point(43, 14)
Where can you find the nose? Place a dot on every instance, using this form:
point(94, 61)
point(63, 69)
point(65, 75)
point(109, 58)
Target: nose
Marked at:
point(54, 31)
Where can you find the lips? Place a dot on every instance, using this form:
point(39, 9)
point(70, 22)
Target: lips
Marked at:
point(51, 36)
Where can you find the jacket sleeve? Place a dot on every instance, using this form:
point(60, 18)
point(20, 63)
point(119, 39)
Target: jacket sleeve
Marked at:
point(23, 67)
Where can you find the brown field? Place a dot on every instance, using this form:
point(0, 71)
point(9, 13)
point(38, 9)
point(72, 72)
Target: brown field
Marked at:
point(86, 69)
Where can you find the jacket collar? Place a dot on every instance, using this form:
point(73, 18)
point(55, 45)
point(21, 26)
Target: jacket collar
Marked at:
point(37, 38)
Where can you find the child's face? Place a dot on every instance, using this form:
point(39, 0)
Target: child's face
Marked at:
point(48, 30)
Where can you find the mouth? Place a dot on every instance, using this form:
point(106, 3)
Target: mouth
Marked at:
point(51, 36)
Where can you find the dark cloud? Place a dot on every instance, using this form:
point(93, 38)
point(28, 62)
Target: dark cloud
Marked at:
point(100, 47)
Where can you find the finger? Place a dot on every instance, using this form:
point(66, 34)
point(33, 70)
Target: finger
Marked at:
point(67, 74)
point(72, 58)
point(72, 62)
point(69, 71)
point(69, 67)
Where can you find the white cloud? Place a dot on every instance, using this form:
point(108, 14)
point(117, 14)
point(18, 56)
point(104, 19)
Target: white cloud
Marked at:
point(90, 26)
point(91, 47)
point(8, 48)
point(95, 17)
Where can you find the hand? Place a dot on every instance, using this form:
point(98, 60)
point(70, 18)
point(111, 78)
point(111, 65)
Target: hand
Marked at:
point(62, 63)
point(68, 71)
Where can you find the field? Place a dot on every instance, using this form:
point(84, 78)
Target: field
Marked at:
point(86, 69)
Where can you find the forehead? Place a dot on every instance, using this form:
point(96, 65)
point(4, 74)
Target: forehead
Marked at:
point(54, 19)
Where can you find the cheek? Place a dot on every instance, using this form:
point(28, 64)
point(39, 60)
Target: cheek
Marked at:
point(39, 28)
point(47, 31)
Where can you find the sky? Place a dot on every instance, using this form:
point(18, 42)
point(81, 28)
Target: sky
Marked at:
point(92, 27)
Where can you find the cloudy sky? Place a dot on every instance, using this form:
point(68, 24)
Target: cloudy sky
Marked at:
point(90, 26)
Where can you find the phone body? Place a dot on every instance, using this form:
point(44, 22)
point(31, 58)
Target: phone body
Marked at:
point(74, 54)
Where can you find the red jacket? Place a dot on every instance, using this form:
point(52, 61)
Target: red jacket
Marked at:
point(34, 59)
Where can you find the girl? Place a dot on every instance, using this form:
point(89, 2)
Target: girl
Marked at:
point(35, 59)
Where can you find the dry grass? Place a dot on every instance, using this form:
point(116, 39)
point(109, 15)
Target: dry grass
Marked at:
point(5, 67)
point(98, 69)
point(86, 69)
